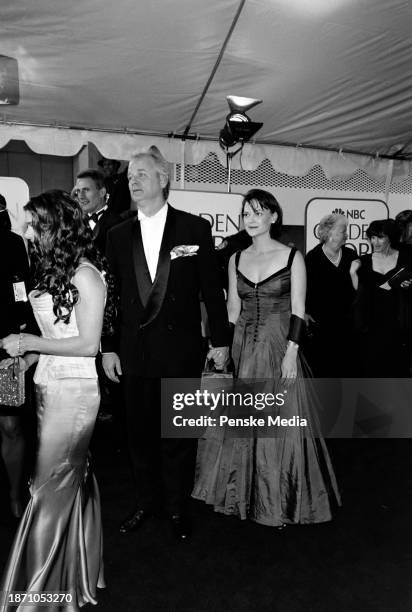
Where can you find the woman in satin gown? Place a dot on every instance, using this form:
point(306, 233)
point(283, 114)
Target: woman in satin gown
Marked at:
point(286, 478)
point(58, 545)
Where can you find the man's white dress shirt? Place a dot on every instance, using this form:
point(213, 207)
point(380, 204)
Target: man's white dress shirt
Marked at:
point(152, 229)
point(92, 222)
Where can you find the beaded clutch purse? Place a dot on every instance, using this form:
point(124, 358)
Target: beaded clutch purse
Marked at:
point(12, 390)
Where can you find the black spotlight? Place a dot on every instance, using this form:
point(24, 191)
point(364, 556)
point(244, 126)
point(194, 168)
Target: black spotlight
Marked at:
point(238, 127)
point(9, 80)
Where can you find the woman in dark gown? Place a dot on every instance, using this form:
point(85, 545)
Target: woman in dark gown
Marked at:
point(381, 309)
point(330, 294)
point(287, 478)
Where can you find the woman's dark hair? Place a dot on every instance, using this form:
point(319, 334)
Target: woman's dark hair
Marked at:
point(265, 200)
point(5, 222)
point(385, 227)
point(62, 239)
point(403, 220)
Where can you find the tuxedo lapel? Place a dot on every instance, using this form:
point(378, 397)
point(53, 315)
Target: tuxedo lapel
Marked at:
point(144, 282)
point(158, 289)
point(96, 229)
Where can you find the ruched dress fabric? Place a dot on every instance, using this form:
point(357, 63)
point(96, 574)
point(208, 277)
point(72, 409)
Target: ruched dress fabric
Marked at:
point(58, 545)
point(287, 478)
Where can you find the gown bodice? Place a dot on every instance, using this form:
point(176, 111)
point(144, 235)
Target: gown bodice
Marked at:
point(269, 296)
point(261, 331)
point(52, 367)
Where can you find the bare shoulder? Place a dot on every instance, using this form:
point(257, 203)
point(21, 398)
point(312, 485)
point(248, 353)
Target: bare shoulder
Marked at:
point(297, 256)
point(286, 254)
point(87, 278)
point(298, 262)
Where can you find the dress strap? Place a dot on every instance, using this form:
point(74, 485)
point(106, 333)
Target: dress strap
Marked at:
point(291, 256)
point(237, 257)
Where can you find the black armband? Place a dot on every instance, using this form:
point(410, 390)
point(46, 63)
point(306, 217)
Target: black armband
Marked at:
point(297, 329)
point(231, 332)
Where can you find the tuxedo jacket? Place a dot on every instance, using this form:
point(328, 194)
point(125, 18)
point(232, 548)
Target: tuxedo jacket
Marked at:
point(14, 265)
point(159, 327)
point(107, 220)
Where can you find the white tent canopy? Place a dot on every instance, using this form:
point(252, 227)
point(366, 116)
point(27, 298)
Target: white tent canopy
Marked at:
point(333, 74)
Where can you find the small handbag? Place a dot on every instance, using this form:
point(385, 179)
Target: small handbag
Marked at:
point(215, 380)
point(209, 371)
point(12, 389)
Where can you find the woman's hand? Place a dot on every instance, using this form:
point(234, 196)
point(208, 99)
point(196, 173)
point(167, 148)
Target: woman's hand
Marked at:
point(18, 344)
point(12, 344)
point(289, 363)
point(406, 283)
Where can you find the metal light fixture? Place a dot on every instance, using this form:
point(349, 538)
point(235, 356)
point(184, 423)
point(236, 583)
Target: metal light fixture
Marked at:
point(9, 80)
point(239, 128)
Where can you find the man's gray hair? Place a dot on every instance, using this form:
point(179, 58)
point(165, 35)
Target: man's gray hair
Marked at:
point(162, 165)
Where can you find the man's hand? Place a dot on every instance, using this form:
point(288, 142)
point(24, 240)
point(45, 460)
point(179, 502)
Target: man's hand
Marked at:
point(111, 366)
point(220, 356)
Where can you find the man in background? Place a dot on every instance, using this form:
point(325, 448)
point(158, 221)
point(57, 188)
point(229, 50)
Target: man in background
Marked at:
point(91, 194)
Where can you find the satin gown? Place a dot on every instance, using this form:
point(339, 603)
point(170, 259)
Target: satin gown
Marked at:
point(270, 480)
point(58, 545)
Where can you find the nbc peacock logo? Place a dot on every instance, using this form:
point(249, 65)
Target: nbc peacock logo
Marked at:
point(338, 211)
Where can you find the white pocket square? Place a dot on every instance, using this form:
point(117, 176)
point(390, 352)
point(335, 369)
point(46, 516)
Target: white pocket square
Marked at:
point(184, 250)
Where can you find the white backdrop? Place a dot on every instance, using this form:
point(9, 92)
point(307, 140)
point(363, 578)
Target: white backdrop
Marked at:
point(222, 210)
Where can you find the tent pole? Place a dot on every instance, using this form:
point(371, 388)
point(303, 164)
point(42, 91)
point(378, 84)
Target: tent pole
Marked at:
point(229, 171)
point(182, 164)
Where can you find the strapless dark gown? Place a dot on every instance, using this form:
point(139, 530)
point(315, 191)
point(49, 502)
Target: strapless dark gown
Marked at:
point(284, 479)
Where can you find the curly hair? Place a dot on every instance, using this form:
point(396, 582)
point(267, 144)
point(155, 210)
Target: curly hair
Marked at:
point(62, 239)
point(260, 198)
point(327, 223)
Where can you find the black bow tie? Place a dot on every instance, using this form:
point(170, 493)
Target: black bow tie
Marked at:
point(95, 216)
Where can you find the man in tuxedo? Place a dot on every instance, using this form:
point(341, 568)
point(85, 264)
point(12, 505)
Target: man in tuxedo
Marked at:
point(160, 330)
point(90, 192)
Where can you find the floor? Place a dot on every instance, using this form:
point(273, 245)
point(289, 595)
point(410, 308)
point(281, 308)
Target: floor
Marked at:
point(360, 561)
